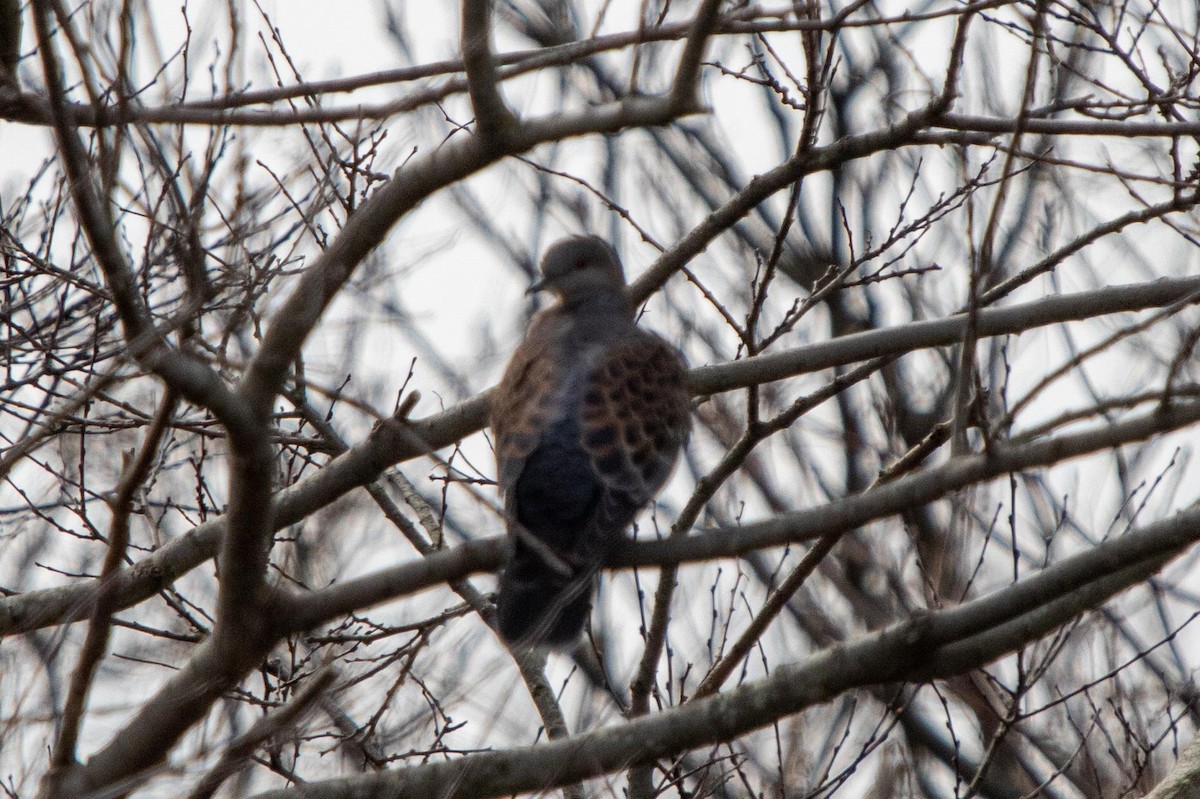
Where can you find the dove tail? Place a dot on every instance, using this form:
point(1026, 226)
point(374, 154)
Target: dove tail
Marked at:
point(539, 606)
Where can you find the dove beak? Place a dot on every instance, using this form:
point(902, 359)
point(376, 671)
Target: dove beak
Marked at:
point(537, 286)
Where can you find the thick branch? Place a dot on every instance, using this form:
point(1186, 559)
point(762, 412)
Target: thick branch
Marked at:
point(685, 89)
point(939, 643)
point(940, 332)
point(900, 495)
point(493, 120)
point(1122, 129)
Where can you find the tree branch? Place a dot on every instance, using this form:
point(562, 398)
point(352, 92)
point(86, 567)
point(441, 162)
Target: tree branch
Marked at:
point(911, 491)
point(494, 122)
point(919, 649)
point(266, 728)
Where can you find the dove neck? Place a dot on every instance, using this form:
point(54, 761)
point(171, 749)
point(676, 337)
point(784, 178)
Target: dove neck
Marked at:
point(602, 302)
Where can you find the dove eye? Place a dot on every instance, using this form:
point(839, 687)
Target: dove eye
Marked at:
point(580, 264)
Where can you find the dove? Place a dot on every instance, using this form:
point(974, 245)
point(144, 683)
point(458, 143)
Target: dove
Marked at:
point(588, 422)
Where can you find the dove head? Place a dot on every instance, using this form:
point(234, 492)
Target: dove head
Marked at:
point(580, 270)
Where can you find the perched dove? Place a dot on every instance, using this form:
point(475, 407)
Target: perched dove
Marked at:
point(588, 421)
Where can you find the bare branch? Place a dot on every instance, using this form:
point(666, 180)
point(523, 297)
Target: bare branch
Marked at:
point(493, 119)
point(266, 728)
point(919, 649)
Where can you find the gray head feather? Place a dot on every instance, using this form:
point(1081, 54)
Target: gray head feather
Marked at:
point(578, 267)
